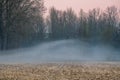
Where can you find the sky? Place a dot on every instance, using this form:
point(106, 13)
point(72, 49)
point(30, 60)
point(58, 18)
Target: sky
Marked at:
point(81, 4)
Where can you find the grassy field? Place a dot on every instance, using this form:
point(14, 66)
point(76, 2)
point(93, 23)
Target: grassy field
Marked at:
point(63, 71)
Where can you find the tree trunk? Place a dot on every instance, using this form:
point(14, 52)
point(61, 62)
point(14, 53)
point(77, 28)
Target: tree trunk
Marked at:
point(1, 27)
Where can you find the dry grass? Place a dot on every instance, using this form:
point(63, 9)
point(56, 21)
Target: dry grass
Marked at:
point(60, 72)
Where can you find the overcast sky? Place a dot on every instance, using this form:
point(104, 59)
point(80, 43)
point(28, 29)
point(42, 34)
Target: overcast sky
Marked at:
point(84, 4)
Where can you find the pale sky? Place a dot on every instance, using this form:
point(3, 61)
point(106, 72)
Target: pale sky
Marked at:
point(78, 4)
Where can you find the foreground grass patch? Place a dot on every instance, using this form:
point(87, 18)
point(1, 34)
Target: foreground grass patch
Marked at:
point(60, 72)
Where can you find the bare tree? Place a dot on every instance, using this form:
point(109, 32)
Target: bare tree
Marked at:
point(21, 19)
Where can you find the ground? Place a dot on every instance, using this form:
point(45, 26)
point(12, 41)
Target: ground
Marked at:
point(60, 71)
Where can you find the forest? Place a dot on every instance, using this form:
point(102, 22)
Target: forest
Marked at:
point(22, 24)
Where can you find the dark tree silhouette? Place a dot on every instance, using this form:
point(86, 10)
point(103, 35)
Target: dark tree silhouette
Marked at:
point(19, 19)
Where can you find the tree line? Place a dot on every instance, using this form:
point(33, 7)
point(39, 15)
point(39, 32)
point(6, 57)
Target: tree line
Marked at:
point(95, 25)
point(22, 24)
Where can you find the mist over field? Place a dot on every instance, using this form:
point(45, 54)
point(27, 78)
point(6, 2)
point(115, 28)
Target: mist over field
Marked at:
point(61, 51)
point(59, 40)
point(28, 35)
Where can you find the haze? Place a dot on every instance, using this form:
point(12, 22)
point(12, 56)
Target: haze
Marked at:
point(26, 37)
point(61, 51)
point(84, 4)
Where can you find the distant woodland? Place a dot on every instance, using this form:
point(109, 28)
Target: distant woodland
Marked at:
point(22, 24)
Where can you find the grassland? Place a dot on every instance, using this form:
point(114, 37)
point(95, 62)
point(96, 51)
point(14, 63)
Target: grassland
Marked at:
point(63, 71)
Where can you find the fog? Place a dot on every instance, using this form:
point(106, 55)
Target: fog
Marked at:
point(61, 50)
